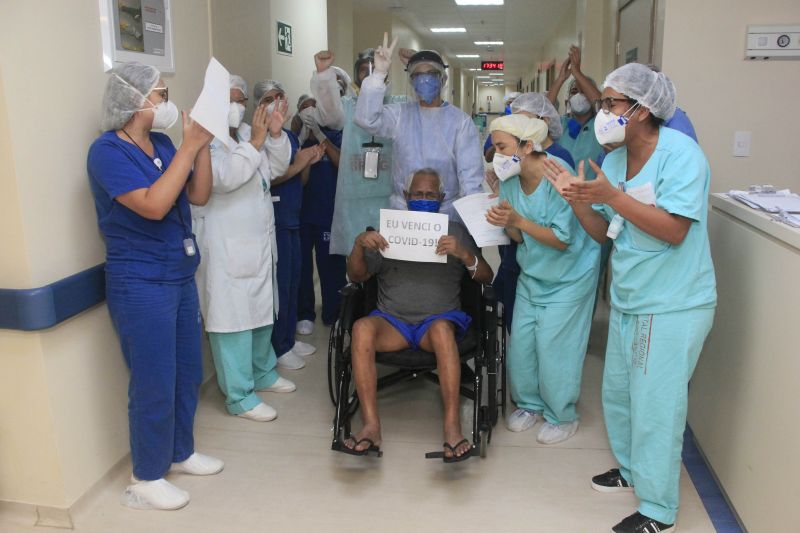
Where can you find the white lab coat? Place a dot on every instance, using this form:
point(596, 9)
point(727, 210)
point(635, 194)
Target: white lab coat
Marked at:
point(236, 235)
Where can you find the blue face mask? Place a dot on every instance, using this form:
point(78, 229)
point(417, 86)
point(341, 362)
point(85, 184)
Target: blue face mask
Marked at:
point(428, 206)
point(427, 86)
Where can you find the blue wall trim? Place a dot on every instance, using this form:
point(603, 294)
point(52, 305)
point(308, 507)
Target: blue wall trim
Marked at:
point(42, 308)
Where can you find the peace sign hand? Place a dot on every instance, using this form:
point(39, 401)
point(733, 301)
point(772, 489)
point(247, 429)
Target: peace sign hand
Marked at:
point(383, 55)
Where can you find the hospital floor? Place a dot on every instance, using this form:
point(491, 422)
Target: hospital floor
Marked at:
point(282, 476)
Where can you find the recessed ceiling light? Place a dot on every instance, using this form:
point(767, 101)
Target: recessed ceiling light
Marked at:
point(489, 43)
point(449, 30)
point(467, 56)
point(479, 2)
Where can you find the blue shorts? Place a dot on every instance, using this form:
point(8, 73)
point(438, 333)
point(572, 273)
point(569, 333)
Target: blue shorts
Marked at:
point(413, 333)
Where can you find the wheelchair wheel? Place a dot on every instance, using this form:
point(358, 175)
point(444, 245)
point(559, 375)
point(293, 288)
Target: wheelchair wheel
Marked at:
point(334, 355)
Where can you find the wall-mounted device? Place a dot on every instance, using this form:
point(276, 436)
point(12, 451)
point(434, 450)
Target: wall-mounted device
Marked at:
point(773, 42)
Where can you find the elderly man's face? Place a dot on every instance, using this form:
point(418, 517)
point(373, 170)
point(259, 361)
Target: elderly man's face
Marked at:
point(424, 187)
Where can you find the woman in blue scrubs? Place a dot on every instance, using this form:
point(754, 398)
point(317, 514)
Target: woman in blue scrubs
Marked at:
point(651, 196)
point(555, 290)
point(142, 189)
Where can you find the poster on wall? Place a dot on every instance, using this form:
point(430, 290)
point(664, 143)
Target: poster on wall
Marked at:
point(137, 30)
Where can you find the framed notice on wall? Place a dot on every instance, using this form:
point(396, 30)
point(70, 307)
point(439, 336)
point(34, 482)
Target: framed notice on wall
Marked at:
point(137, 30)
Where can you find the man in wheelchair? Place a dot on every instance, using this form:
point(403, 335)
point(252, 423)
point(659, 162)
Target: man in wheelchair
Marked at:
point(417, 308)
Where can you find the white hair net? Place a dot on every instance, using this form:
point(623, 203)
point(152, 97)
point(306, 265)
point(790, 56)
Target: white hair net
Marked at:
point(510, 96)
point(653, 90)
point(538, 104)
point(126, 90)
point(523, 128)
point(263, 87)
point(237, 82)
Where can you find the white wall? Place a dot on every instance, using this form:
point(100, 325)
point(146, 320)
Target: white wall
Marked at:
point(722, 92)
point(497, 94)
point(340, 33)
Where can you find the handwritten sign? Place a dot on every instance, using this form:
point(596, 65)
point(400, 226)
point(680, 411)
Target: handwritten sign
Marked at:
point(413, 235)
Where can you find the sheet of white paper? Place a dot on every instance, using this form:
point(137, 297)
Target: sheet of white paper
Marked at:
point(211, 108)
point(413, 235)
point(472, 210)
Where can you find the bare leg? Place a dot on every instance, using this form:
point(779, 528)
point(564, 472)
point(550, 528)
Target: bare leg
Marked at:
point(440, 339)
point(370, 334)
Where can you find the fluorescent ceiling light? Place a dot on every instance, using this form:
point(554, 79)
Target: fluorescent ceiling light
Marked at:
point(479, 2)
point(467, 56)
point(449, 30)
point(489, 43)
point(474, 69)
point(496, 74)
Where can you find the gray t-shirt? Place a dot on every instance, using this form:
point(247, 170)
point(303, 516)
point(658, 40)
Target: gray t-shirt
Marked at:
point(412, 291)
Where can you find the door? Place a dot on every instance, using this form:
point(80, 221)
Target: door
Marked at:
point(635, 31)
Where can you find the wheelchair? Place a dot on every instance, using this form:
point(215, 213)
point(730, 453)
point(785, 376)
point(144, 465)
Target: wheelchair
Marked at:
point(484, 383)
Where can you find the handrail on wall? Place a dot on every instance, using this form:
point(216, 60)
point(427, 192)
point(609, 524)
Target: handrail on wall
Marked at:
point(44, 307)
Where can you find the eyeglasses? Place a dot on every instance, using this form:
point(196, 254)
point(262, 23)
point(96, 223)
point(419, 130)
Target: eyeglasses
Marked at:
point(163, 92)
point(419, 195)
point(608, 102)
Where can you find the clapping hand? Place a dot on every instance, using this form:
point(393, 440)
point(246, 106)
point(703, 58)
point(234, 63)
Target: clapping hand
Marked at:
point(502, 215)
point(278, 116)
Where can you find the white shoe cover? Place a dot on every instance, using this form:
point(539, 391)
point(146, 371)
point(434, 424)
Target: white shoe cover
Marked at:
point(521, 420)
point(157, 494)
point(260, 413)
point(291, 361)
point(555, 433)
point(282, 385)
point(305, 327)
point(303, 349)
point(198, 465)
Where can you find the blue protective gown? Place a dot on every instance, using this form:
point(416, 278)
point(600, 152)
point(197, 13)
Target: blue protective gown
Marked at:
point(662, 306)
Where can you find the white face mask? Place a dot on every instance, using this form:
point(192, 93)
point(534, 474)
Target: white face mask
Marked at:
point(165, 115)
point(235, 114)
point(307, 116)
point(609, 128)
point(506, 166)
point(579, 104)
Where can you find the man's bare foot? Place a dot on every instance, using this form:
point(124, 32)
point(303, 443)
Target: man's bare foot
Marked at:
point(456, 439)
point(370, 435)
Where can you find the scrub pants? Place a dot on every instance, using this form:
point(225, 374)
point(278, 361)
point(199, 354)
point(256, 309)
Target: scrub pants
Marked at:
point(288, 274)
point(159, 332)
point(245, 362)
point(649, 360)
point(332, 271)
point(545, 356)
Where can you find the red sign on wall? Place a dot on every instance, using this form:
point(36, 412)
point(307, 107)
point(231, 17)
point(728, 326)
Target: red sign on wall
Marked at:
point(492, 65)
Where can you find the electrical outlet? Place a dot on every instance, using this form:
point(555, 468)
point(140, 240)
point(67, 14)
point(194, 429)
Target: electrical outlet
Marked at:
point(741, 143)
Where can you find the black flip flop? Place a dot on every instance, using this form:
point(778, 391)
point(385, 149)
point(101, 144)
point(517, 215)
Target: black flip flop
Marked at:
point(453, 457)
point(371, 450)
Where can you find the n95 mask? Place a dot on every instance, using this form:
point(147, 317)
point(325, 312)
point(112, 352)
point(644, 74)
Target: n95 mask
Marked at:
point(235, 114)
point(506, 166)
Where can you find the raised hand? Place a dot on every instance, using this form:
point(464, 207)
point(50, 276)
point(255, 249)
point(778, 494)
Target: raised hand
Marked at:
point(383, 55)
point(278, 117)
point(575, 58)
point(564, 70)
point(323, 59)
point(260, 126)
point(406, 54)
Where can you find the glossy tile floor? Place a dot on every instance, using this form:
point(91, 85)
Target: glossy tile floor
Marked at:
point(282, 476)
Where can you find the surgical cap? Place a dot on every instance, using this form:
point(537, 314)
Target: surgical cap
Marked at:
point(426, 57)
point(652, 90)
point(263, 87)
point(538, 104)
point(510, 96)
point(523, 128)
point(126, 90)
point(302, 100)
point(237, 82)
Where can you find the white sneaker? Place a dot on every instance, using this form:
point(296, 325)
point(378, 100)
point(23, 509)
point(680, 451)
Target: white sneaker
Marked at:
point(522, 419)
point(303, 349)
point(305, 327)
point(198, 465)
point(157, 494)
point(555, 433)
point(291, 361)
point(282, 385)
point(260, 413)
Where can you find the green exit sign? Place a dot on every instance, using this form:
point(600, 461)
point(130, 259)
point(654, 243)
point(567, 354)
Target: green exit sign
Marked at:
point(284, 38)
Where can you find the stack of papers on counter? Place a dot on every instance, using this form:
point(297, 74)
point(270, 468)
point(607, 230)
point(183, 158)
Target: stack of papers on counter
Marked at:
point(783, 201)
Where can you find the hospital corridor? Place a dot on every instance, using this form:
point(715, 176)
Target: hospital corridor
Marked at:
point(399, 266)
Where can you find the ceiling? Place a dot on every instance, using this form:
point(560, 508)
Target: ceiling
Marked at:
point(523, 25)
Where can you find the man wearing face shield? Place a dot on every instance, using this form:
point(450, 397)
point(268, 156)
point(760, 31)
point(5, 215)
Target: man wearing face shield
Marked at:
point(428, 132)
point(578, 122)
point(363, 183)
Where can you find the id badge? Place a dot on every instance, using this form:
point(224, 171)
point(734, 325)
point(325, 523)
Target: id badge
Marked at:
point(188, 247)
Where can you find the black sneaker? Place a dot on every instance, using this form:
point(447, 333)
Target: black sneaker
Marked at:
point(611, 481)
point(639, 523)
